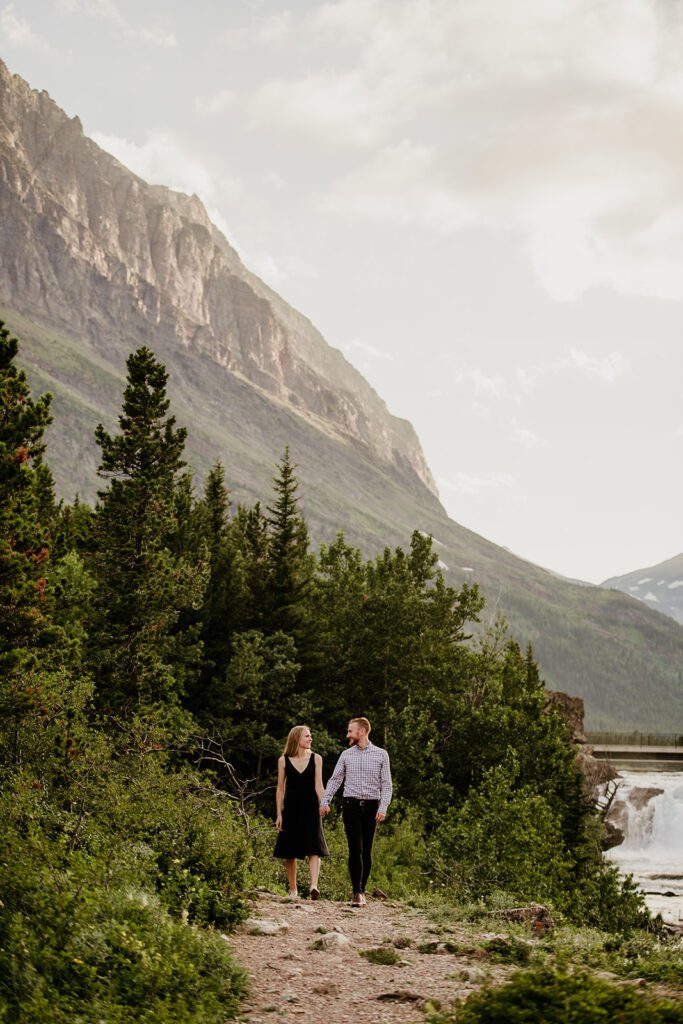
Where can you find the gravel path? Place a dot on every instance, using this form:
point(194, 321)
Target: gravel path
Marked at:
point(292, 981)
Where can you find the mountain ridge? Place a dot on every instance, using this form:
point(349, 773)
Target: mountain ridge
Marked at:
point(658, 586)
point(247, 375)
point(159, 249)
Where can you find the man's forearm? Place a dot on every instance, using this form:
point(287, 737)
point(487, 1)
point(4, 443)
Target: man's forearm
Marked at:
point(333, 783)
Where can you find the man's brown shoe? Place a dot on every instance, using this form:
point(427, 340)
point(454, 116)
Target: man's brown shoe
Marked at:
point(363, 901)
point(356, 900)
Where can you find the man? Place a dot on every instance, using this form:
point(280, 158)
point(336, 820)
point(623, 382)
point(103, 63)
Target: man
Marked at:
point(364, 770)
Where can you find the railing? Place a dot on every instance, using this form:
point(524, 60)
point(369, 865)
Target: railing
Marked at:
point(635, 739)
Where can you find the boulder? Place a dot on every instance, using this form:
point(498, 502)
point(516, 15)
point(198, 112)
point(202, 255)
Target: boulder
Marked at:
point(261, 926)
point(535, 915)
point(330, 941)
point(612, 835)
point(640, 796)
point(402, 995)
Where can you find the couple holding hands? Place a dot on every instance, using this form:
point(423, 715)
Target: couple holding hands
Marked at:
point(301, 803)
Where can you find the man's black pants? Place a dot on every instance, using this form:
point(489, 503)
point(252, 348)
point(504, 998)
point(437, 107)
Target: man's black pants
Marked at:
point(359, 825)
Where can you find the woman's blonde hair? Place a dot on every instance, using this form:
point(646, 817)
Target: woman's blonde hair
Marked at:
point(293, 738)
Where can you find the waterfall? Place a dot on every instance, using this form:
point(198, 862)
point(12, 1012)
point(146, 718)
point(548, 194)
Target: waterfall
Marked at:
point(648, 808)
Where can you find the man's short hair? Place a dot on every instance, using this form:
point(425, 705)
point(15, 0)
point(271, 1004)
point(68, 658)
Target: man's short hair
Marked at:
point(363, 723)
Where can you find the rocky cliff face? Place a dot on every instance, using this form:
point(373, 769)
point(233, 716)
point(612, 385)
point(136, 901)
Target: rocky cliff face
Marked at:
point(92, 249)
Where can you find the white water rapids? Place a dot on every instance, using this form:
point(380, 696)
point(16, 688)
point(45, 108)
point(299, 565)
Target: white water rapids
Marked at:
point(648, 808)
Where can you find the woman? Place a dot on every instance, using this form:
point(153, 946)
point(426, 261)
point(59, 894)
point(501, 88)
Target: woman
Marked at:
point(297, 803)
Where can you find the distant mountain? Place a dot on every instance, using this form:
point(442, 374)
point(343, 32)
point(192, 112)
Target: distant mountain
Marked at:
point(95, 262)
point(660, 586)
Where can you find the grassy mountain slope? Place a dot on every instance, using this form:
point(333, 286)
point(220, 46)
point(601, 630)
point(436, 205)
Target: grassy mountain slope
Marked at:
point(625, 660)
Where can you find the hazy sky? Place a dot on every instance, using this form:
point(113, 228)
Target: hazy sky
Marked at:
point(479, 201)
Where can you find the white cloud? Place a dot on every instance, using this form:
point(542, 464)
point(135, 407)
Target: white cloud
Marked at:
point(278, 270)
point(275, 29)
point(106, 10)
point(400, 184)
point(483, 384)
point(161, 37)
point(265, 266)
point(163, 160)
point(524, 437)
point(333, 108)
point(393, 74)
point(274, 181)
point(103, 9)
point(17, 33)
point(556, 122)
point(606, 369)
point(356, 345)
point(472, 486)
point(218, 103)
point(527, 378)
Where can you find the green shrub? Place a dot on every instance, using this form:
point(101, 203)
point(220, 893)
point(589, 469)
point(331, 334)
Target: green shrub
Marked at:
point(84, 936)
point(384, 955)
point(437, 946)
point(510, 950)
point(555, 997)
point(503, 837)
point(605, 900)
point(642, 955)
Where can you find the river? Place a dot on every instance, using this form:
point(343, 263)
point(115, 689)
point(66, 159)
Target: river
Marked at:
point(649, 809)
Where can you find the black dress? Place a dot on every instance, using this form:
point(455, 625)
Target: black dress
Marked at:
point(302, 827)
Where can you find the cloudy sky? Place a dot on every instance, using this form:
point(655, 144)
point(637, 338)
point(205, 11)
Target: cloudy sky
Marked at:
point(479, 202)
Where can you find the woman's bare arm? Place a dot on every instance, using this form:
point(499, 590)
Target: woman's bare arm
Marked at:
point(319, 788)
point(280, 792)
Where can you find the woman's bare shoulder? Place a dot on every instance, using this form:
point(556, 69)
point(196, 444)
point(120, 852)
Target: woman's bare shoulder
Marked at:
point(318, 759)
point(281, 761)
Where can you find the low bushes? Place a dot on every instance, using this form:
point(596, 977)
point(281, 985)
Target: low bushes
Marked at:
point(557, 997)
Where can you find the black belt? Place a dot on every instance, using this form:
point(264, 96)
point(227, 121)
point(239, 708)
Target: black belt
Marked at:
point(361, 800)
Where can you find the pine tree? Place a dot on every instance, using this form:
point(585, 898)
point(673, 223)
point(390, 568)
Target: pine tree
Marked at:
point(24, 487)
point(144, 579)
point(222, 599)
point(249, 534)
point(290, 566)
point(42, 686)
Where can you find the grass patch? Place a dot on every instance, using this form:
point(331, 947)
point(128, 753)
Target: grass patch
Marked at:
point(383, 955)
point(510, 950)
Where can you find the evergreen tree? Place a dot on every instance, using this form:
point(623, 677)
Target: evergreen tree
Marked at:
point(224, 599)
point(144, 579)
point(290, 566)
point(73, 530)
point(250, 540)
point(41, 687)
point(26, 503)
point(390, 636)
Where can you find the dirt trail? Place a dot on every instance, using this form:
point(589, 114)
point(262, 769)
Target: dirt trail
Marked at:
point(292, 981)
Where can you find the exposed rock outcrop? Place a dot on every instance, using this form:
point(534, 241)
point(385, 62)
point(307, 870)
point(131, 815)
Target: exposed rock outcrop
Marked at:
point(92, 248)
point(595, 771)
